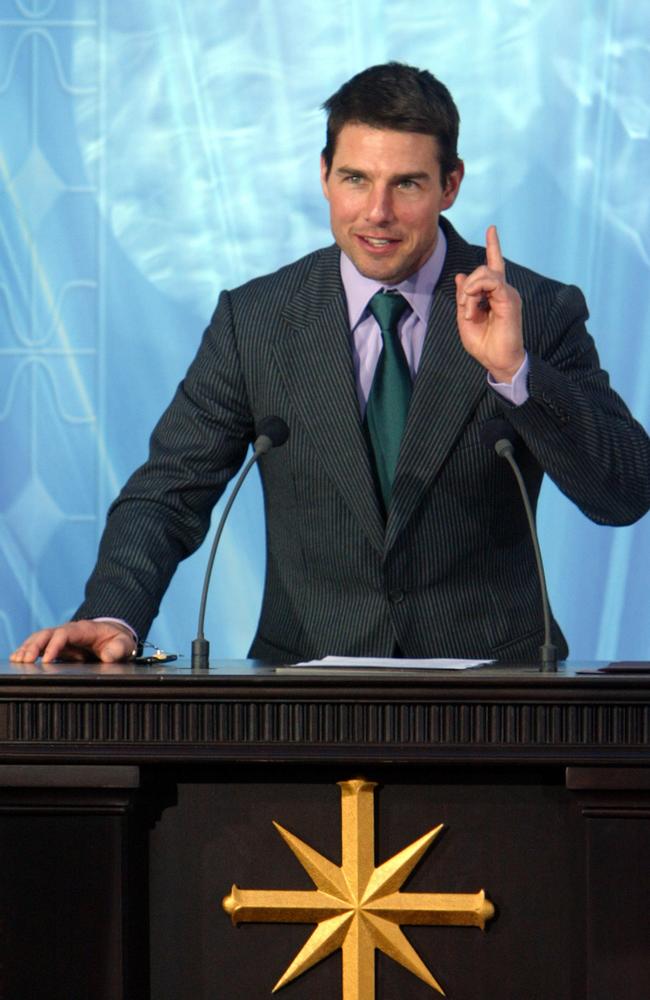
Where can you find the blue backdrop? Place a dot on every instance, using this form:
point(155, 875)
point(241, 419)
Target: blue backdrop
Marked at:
point(155, 152)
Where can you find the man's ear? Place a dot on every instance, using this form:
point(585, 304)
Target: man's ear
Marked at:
point(452, 186)
point(324, 173)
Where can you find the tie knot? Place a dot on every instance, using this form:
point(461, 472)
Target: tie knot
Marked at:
point(387, 307)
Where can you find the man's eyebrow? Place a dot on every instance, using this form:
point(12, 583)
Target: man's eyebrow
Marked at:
point(351, 172)
point(416, 175)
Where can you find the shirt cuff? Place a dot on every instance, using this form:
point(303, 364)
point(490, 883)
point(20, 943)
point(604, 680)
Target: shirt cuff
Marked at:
point(119, 621)
point(515, 392)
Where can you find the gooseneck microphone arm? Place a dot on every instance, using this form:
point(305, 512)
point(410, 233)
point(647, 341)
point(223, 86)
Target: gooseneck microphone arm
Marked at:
point(271, 433)
point(500, 436)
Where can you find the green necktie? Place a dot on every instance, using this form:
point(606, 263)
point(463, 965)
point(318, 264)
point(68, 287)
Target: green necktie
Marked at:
point(390, 394)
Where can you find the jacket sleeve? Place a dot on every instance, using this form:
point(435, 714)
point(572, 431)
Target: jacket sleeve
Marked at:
point(578, 429)
point(163, 512)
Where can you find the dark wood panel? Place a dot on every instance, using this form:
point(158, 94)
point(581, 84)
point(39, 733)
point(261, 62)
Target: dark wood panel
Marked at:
point(618, 939)
point(517, 836)
point(73, 888)
point(609, 779)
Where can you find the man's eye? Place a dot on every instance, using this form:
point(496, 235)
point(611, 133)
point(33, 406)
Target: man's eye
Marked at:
point(353, 178)
point(407, 184)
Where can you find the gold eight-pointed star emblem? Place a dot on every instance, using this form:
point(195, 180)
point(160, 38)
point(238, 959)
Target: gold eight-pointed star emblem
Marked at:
point(358, 907)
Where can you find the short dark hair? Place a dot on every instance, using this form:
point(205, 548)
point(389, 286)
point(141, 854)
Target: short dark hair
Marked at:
point(399, 97)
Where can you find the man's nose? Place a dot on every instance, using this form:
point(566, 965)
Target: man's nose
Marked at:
point(379, 207)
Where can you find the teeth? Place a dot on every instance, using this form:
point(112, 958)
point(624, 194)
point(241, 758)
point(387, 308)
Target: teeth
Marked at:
point(376, 242)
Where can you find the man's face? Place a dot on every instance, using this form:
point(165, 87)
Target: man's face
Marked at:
point(385, 197)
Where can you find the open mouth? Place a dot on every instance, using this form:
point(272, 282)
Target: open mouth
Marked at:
point(377, 242)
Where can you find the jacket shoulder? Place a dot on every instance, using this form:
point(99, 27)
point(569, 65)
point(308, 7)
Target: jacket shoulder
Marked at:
point(273, 290)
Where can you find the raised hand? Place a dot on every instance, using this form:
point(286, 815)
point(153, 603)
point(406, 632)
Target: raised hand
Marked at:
point(108, 642)
point(488, 312)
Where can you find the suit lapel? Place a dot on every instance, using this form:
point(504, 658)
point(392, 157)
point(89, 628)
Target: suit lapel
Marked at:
point(447, 389)
point(315, 362)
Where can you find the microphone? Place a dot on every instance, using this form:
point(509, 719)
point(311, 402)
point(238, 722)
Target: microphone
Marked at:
point(272, 432)
point(498, 435)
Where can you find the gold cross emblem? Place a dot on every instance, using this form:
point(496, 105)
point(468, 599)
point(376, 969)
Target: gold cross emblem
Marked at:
point(358, 907)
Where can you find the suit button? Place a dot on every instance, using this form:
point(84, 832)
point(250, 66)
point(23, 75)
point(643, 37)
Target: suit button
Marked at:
point(396, 596)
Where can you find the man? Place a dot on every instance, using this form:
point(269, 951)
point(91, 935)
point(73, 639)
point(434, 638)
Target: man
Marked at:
point(389, 525)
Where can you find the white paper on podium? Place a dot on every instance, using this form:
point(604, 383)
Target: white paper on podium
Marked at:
point(383, 663)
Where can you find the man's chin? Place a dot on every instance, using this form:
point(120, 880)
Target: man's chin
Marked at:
point(389, 272)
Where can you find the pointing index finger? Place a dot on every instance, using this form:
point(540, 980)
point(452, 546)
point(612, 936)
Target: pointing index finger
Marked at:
point(494, 257)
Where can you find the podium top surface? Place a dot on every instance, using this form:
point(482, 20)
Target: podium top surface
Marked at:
point(258, 674)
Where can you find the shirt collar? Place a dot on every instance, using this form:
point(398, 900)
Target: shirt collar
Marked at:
point(417, 289)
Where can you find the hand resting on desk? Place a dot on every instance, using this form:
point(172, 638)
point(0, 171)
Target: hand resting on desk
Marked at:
point(108, 642)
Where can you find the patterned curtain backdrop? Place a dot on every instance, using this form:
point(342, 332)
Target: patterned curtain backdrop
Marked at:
point(152, 153)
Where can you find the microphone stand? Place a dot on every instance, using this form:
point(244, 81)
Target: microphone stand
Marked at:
point(548, 651)
point(273, 432)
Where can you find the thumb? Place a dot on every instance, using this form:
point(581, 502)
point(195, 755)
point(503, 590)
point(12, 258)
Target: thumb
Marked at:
point(117, 648)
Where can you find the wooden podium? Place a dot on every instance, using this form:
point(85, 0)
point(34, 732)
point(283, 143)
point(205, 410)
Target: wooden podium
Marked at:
point(132, 799)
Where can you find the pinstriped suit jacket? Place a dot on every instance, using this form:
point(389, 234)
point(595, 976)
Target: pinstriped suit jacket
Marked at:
point(451, 571)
